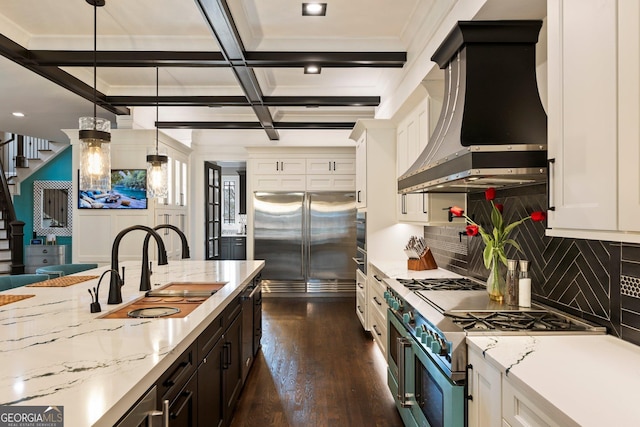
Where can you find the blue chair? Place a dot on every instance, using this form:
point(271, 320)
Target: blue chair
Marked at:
point(60, 270)
point(15, 281)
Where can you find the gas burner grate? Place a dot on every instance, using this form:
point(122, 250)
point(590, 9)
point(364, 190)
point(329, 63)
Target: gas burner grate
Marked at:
point(442, 284)
point(514, 321)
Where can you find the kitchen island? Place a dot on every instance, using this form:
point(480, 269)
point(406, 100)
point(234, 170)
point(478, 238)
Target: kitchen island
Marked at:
point(53, 351)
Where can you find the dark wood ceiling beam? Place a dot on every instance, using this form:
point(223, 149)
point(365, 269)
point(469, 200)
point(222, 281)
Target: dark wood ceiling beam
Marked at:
point(241, 101)
point(326, 59)
point(179, 101)
point(18, 54)
point(127, 58)
point(218, 17)
point(256, 125)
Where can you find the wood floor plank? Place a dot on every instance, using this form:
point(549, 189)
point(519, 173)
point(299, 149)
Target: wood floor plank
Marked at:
point(317, 368)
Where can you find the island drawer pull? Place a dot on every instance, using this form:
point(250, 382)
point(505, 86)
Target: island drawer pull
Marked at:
point(188, 395)
point(179, 372)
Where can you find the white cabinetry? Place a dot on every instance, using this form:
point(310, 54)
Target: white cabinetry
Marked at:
point(496, 401)
point(280, 165)
point(484, 404)
point(361, 298)
point(522, 410)
point(361, 172)
point(594, 133)
point(331, 166)
point(377, 307)
point(412, 136)
point(317, 169)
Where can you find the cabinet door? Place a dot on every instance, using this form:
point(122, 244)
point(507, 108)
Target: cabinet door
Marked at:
point(225, 248)
point(278, 166)
point(183, 411)
point(629, 111)
point(279, 182)
point(524, 410)
point(361, 298)
point(582, 120)
point(210, 399)
point(238, 248)
point(232, 367)
point(484, 403)
point(331, 182)
point(361, 171)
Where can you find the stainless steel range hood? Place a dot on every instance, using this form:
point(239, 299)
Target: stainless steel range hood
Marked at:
point(492, 131)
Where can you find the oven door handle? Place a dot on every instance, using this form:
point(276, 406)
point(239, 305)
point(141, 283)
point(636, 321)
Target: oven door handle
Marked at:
point(403, 344)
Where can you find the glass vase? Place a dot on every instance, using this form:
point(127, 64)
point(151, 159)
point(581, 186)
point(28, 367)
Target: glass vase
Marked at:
point(496, 282)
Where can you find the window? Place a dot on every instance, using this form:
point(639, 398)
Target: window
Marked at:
point(230, 186)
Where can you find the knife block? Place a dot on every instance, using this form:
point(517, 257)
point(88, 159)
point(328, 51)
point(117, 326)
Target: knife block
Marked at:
point(425, 262)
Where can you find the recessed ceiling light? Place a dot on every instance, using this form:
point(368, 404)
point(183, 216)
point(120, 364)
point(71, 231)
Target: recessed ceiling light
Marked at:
point(312, 69)
point(314, 9)
point(18, 114)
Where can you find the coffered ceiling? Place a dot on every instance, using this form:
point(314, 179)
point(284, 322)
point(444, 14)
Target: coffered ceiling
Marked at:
point(221, 64)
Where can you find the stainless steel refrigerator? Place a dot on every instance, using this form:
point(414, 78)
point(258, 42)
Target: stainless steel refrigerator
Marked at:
point(308, 240)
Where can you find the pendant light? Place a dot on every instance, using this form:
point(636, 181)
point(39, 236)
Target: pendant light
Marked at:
point(95, 147)
point(157, 163)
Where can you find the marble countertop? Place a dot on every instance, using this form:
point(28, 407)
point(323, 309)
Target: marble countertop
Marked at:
point(53, 351)
point(399, 270)
point(591, 379)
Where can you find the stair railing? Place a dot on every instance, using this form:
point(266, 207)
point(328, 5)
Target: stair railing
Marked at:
point(16, 227)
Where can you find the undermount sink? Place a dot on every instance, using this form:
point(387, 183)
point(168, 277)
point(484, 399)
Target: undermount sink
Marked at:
point(175, 299)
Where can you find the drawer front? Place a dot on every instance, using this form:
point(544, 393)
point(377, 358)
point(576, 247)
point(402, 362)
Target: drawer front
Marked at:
point(379, 330)
point(174, 378)
point(376, 295)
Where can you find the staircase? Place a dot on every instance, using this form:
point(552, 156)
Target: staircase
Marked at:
point(24, 155)
point(20, 157)
point(5, 249)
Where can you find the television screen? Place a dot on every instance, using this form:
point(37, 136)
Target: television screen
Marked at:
point(128, 191)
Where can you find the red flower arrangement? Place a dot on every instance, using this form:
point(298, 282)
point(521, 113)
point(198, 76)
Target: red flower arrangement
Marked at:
point(495, 240)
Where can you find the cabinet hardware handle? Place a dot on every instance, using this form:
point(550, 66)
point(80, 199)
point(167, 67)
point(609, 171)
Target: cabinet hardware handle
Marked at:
point(375, 298)
point(358, 198)
point(334, 166)
point(402, 344)
point(277, 166)
point(329, 165)
point(360, 310)
point(550, 176)
point(282, 166)
point(360, 285)
point(375, 276)
point(188, 395)
point(375, 328)
point(424, 206)
point(470, 381)
point(182, 368)
point(403, 204)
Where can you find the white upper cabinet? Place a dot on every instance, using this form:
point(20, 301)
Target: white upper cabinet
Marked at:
point(593, 110)
point(331, 166)
point(298, 169)
point(279, 166)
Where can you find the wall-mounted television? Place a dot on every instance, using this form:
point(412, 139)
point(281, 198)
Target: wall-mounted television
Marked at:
point(128, 191)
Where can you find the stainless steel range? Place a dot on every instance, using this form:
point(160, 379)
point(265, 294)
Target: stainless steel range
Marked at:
point(427, 348)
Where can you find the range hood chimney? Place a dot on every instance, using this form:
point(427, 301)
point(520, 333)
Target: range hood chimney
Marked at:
point(492, 131)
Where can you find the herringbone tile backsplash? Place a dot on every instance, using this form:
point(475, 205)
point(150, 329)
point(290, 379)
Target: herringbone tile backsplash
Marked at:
point(596, 280)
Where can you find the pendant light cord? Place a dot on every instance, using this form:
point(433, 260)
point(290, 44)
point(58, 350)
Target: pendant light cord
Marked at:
point(157, 106)
point(95, 60)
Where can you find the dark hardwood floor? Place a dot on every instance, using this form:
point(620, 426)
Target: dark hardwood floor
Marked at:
point(317, 367)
